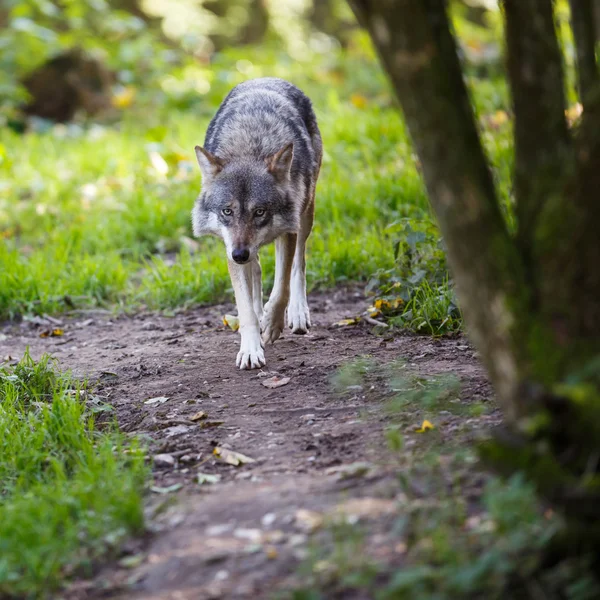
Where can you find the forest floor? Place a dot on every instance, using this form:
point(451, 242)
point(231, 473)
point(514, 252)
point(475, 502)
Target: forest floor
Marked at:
point(328, 452)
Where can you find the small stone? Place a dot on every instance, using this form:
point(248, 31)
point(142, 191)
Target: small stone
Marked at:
point(164, 461)
point(268, 519)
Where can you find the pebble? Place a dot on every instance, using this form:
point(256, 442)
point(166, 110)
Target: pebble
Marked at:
point(164, 461)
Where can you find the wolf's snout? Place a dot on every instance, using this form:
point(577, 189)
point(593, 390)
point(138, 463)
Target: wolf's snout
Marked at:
point(240, 255)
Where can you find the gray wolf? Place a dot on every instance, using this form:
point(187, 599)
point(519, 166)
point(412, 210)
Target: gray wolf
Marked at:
point(260, 163)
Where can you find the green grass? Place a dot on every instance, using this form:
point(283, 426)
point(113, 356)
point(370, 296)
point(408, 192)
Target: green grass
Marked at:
point(86, 219)
point(68, 492)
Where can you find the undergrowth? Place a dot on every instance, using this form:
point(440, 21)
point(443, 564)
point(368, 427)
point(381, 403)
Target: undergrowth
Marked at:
point(69, 493)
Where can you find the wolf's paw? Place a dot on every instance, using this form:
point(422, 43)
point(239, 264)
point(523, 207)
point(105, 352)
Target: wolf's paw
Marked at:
point(298, 317)
point(251, 354)
point(272, 324)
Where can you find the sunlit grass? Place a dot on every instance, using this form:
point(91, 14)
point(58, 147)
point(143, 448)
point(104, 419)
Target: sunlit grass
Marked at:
point(87, 217)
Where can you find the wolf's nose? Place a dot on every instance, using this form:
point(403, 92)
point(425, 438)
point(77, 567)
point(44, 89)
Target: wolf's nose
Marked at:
point(240, 255)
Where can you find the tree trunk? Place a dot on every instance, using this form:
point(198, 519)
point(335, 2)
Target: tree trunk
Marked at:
point(419, 52)
point(530, 302)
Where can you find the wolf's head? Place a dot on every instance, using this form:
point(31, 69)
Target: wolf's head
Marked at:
point(246, 202)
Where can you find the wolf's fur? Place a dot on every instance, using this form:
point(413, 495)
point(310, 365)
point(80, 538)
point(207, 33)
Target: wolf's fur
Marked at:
point(262, 153)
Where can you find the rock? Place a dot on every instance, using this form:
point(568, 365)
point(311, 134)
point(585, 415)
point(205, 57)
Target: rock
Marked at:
point(164, 461)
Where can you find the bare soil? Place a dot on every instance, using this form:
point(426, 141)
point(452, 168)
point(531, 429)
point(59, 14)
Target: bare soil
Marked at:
point(245, 535)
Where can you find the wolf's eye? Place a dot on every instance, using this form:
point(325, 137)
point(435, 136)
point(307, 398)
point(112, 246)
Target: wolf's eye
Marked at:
point(227, 212)
point(260, 212)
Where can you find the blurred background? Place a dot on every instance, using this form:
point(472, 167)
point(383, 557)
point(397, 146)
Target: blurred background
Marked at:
point(59, 57)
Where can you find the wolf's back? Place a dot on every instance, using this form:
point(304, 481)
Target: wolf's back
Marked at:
point(261, 116)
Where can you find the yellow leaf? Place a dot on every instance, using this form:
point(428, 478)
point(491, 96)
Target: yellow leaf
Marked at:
point(359, 101)
point(199, 416)
point(56, 332)
point(372, 311)
point(232, 458)
point(426, 426)
point(232, 322)
point(124, 97)
point(346, 322)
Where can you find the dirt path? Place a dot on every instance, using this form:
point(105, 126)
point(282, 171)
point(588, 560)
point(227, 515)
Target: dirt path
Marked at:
point(244, 536)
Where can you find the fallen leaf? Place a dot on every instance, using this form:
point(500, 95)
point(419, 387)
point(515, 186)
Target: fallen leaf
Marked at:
point(199, 416)
point(347, 322)
point(426, 426)
point(166, 490)
point(208, 478)
point(276, 382)
point(308, 520)
point(232, 322)
point(158, 399)
point(130, 562)
point(209, 424)
point(56, 332)
point(231, 457)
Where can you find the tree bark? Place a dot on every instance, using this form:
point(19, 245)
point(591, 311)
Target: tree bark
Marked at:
point(415, 44)
point(543, 152)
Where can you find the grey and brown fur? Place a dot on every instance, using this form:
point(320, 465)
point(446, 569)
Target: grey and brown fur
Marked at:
point(260, 163)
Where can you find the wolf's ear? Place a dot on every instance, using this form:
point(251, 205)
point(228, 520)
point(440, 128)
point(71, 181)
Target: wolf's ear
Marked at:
point(210, 165)
point(280, 163)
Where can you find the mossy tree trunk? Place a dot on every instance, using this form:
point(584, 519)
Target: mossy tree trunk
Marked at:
point(531, 300)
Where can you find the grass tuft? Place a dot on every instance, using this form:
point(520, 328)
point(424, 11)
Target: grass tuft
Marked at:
point(68, 492)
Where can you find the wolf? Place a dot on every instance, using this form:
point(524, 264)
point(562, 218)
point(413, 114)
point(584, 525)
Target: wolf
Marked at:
point(260, 163)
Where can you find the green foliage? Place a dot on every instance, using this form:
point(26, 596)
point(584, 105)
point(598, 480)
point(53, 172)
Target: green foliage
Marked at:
point(452, 555)
point(416, 292)
point(68, 492)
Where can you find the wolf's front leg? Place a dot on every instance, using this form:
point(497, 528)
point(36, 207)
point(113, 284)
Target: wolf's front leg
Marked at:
point(273, 321)
point(251, 354)
point(298, 313)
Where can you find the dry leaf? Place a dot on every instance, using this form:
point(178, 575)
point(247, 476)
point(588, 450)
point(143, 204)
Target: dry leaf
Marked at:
point(426, 426)
point(56, 332)
point(199, 416)
point(308, 520)
point(232, 458)
point(347, 322)
point(276, 382)
point(208, 478)
point(231, 321)
point(157, 400)
point(209, 424)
